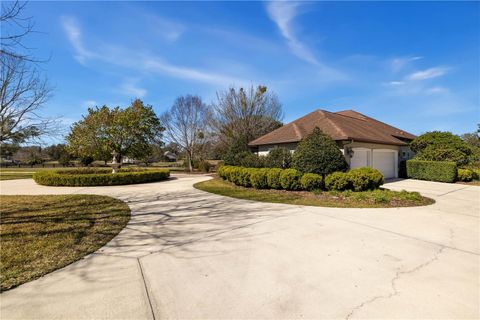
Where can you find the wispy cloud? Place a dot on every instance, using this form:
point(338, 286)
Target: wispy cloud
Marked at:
point(74, 35)
point(89, 104)
point(399, 63)
point(283, 13)
point(167, 29)
point(428, 73)
point(437, 90)
point(139, 61)
point(131, 88)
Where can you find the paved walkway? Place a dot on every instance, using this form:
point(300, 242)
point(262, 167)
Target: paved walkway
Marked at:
point(191, 254)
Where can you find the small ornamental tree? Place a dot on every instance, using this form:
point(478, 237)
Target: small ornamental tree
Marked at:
point(441, 146)
point(318, 153)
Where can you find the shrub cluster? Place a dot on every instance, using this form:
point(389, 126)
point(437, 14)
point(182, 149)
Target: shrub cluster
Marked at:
point(360, 179)
point(442, 171)
point(466, 175)
point(98, 177)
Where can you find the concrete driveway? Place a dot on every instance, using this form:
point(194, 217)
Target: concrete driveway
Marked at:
point(191, 254)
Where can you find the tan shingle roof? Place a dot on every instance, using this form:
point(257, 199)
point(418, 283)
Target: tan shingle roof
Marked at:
point(342, 125)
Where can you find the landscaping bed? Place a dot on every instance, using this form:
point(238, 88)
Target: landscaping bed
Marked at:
point(40, 234)
point(380, 198)
point(99, 177)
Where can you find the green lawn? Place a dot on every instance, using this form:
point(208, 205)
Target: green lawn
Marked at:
point(40, 234)
point(368, 199)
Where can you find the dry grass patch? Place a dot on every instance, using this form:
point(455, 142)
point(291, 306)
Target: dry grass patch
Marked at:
point(40, 234)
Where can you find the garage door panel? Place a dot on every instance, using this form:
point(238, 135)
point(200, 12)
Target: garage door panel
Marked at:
point(359, 159)
point(384, 161)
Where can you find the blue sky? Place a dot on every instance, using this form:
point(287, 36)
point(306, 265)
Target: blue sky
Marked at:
point(414, 65)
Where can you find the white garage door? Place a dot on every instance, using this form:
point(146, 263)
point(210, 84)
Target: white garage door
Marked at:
point(359, 159)
point(384, 161)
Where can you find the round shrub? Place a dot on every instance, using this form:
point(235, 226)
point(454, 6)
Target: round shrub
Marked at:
point(318, 153)
point(273, 178)
point(244, 177)
point(248, 159)
point(362, 179)
point(465, 175)
point(338, 181)
point(311, 181)
point(290, 179)
point(235, 176)
point(98, 177)
point(278, 157)
point(258, 178)
point(204, 166)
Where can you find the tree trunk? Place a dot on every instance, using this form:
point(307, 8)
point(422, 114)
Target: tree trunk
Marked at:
point(189, 159)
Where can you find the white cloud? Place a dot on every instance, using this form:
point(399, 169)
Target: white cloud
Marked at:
point(160, 66)
point(74, 35)
point(130, 87)
point(400, 63)
point(395, 83)
point(428, 73)
point(89, 103)
point(167, 29)
point(436, 90)
point(283, 13)
point(146, 63)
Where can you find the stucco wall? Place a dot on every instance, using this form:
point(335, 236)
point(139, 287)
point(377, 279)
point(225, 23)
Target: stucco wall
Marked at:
point(263, 150)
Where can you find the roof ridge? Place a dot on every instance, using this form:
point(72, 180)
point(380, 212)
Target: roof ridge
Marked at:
point(297, 130)
point(340, 130)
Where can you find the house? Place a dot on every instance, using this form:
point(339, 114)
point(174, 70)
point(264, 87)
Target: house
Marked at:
point(364, 141)
point(170, 156)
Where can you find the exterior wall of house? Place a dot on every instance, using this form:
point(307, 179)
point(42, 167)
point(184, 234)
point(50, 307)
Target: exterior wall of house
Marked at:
point(264, 150)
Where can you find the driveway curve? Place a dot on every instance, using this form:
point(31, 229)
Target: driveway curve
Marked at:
point(190, 254)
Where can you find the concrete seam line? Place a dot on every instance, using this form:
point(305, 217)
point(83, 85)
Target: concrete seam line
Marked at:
point(146, 289)
point(452, 191)
point(400, 234)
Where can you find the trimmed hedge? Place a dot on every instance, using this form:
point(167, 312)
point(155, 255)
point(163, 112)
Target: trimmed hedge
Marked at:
point(465, 175)
point(258, 178)
point(273, 178)
point(290, 179)
point(98, 177)
point(360, 179)
point(338, 181)
point(365, 178)
point(441, 171)
point(311, 181)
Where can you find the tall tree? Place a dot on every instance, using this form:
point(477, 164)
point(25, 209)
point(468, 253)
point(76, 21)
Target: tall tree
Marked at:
point(118, 132)
point(23, 90)
point(15, 27)
point(245, 114)
point(186, 124)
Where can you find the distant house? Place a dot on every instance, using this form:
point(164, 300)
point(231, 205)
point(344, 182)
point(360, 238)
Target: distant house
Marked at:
point(364, 141)
point(170, 156)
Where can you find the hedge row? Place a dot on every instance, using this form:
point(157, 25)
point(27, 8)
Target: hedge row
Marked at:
point(360, 179)
point(442, 171)
point(98, 177)
point(467, 174)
